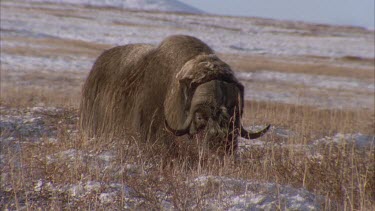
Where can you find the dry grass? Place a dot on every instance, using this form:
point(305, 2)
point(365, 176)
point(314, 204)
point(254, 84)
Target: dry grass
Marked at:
point(36, 174)
point(47, 173)
point(345, 67)
point(341, 173)
point(41, 89)
point(54, 47)
point(310, 123)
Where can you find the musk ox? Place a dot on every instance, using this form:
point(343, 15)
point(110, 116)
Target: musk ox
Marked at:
point(179, 88)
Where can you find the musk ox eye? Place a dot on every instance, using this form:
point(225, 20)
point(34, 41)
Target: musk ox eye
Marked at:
point(200, 117)
point(200, 120)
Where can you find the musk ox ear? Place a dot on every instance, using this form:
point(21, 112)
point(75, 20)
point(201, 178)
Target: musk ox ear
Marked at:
point(199, 70)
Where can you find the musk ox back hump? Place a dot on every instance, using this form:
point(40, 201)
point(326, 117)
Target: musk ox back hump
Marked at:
point(181, 48)
point(110, 88)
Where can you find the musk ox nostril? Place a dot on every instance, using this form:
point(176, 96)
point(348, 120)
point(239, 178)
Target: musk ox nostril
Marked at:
point(221, 135)
point(213, 133)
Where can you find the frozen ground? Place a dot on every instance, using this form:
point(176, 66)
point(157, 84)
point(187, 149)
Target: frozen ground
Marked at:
point(224, 34)
point(305, 89)
point(37, 125)
point(66, 37)
point(153, 5)
point(238, 194)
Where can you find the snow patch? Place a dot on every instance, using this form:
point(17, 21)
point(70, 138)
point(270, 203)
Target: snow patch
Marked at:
point(224, 34)
point(106, 198)
point(316, 81)
point(158, 5)
point(59, 63)
point(359, 140)
point(70, 155)
point(250, 195)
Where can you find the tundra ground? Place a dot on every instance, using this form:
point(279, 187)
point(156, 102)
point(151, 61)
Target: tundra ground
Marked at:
point(46, 164)
point(313, 83)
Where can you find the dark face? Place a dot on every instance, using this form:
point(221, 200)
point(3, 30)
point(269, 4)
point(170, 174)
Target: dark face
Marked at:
point(216, 114)
point(211, 112)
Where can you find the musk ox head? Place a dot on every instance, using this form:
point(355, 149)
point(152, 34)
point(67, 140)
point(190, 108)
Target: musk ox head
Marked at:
point(206, 100)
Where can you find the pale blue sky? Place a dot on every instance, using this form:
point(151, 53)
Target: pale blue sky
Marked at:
point(342, 12)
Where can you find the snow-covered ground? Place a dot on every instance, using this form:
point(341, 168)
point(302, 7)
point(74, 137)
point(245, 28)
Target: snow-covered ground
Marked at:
point(153, 5)
point(29, 32)
point(224, 34)
point(238, 194)
point(40, 35)
point(35, 126)
point(317, 90)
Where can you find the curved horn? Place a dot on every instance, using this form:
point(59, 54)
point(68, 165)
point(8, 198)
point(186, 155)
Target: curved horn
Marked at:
point(248, 135)
point(176, 132)
point(180, 132)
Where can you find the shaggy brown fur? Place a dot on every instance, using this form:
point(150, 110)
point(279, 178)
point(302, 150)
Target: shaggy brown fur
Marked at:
point(135, 89)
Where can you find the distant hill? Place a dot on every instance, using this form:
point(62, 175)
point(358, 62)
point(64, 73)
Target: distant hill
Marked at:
point(158, 5)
